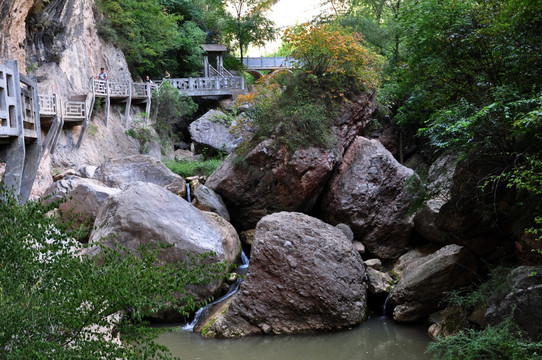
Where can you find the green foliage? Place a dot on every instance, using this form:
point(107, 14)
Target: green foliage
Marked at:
point(209, 15)
point(503, 341)
point(194, 167)
point(334, 58)
point(187, 57)
point(297, 109)
point(296, 114)
point(92, 129)
point(141, 130)
point(142, 30)
point(248, 24)
point(470, 82)
point(458, 49)
point(479, 294)
point(56, 304)
point(170, 109)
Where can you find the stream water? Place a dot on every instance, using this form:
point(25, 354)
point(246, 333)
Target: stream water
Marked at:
point(379, 338)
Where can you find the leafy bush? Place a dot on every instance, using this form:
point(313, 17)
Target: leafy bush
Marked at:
point(170, 110)
point(297, 109)
point(193, 167)
point(143, 132)
point(56, 304)
point(479, 294)
point(503, 341)
point(334, 56)
point(293, 115)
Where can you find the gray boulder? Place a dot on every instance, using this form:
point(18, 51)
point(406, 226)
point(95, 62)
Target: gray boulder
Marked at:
point(425, 281)
point(207, 200)
point(304, 276)
point(367, 193)
point(146, 214)
point(119, 173)
point(379, 282)
point(82, 197)
point(439, 182)
point(522, 301)
point(212, 130)
point(346, 230)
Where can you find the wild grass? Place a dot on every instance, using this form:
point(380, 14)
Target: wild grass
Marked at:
point(194, 167)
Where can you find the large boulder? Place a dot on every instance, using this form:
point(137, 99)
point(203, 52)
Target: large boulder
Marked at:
point(119, 173)
point(212, 130)
point(82, 197)
point(367, 193)
point(304, 276)
point(425, 281)
point(521, 301)
point(271, 179)
point(439, 183)
point(207, 200)
point(147, 214)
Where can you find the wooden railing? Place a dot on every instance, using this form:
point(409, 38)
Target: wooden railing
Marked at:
point(8, 102)
point(268, 63)
point(222, 73)
point(47, 105)
point(75, 110)
point(211, 85)
point(20, 130)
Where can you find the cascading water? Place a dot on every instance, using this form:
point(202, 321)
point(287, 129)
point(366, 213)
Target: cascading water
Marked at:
point(188, 193)
point(204, 311)
point(386, 301)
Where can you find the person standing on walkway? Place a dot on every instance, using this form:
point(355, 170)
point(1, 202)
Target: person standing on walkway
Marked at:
point(102, 75)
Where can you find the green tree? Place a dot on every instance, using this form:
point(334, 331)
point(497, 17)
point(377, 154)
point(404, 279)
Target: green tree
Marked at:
point(171, 112)
point(248, 24)
point(56, 304)
point(142, 30)
point(471, 82)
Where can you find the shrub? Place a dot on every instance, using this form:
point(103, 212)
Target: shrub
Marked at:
point(503, 341)
point(193, 167)
point(55, 305)
point(335, 56)
point(143, 132)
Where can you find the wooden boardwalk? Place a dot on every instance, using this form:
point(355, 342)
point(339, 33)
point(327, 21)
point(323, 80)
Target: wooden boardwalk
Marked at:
point(24, 114)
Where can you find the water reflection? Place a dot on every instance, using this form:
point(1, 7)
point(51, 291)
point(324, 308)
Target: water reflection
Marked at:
point(379, 338)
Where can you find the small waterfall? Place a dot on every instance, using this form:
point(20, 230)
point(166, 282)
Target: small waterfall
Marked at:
point(203, 312)
point(188, 192)
point(244, 260)
point(386, 301)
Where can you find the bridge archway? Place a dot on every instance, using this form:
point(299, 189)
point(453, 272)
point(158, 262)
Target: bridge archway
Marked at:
point(255, 73)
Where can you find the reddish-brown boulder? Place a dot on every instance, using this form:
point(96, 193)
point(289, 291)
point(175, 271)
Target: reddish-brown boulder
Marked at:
point(270, 179)
point(368, 194)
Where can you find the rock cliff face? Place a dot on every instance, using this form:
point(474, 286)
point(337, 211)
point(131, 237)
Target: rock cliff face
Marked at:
point(13, 14)
point(57, 42)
